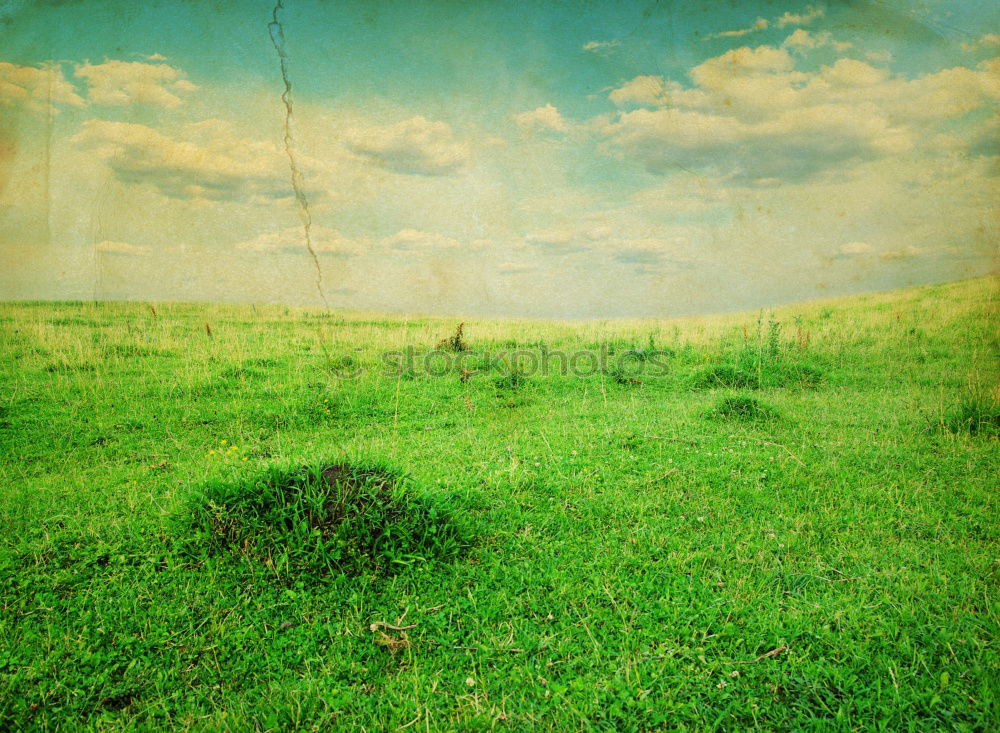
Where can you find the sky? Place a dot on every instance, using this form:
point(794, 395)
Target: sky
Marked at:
point(536, 159)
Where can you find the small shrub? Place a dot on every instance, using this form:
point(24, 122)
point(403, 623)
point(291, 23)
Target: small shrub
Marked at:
point(621, 376)
point(743, 407)
point(455, 342)
point(318, 520)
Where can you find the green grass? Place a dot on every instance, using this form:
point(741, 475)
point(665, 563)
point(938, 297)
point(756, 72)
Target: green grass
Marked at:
point(786, 520)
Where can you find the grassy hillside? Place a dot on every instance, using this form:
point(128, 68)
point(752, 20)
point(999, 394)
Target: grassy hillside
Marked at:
point(785, 519)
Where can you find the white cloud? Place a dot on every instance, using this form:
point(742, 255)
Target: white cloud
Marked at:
point(752, 114)
point(622, 236)
point(882, 56)
point(944, 95)
point(134, 82)
point(325, 241)
point(982, 139)
point(545, 118)
point(598, 234)
point(37, 88)
point(758, 25)
point(802, 40)
point(937, 207)
point(752, 81)
point(990, 40)
point(682, 195)
point(854, 249)
point(790, 146)
point(806, 17)
point(904, 253)
point(741, 61)
point(850, 74)
point(121, 248)
point(602, 47)
point(646, 252)
point(642, 90)
point(416, 241)
point(415, 146)
point(554, 240)
point(208, 161)
point(514, 268)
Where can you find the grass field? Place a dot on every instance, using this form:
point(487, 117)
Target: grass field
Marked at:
point(786, 519)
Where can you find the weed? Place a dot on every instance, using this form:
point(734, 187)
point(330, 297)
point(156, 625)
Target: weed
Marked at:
point(773, 339)
point(802, 338)
point(619, 375)
point(455, 342)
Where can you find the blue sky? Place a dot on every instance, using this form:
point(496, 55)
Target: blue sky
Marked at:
point(544, 159)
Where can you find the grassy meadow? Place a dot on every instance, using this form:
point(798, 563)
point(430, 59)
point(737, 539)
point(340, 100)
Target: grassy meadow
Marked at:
point(227, 517)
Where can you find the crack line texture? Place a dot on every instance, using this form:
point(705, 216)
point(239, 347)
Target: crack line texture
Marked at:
point(277, 33)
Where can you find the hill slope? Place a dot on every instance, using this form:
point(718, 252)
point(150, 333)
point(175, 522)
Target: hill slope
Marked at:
point(770, 519)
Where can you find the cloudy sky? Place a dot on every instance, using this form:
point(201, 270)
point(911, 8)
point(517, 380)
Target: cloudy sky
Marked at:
point(496, 158)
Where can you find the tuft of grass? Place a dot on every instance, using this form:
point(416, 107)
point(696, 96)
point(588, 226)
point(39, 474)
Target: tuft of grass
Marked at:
point(743, 407)
point(131, 350)
point(977, 413)
point(343, 365)
point(760, 363)
point(725, 375)
point(64, 367)
point(240, 372)
point(514, 380)
point(321, 519)
point(750, 373)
